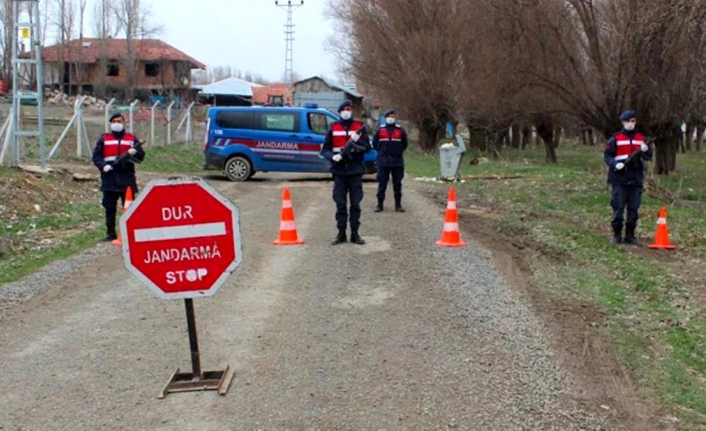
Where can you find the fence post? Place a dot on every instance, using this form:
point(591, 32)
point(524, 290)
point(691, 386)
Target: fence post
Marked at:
point(132, 109)
point(78, 112)
point(73, 120)
point(189, 123)
point(152, 141)
point(169, 123)
point(7, 133)
point(107, 115)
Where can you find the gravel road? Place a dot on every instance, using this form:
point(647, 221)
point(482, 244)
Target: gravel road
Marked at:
point(392, 335)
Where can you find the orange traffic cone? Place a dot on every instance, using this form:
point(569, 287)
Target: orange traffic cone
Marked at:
point(662, 234)
point(287, 228)
point(126, 205)
point(450, 236)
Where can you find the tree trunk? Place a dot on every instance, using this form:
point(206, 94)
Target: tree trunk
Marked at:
point(428, 134)
point(545, 131)
point(557, 137)
point(591, 138)
point(526, 136)
point(516, 136)
point(689, 137)
point(700, 130)
point(668, 137)
point(498, 144)
point(478, 140)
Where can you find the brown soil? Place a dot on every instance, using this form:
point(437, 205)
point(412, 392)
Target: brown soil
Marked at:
point(21, 191)
point(23, 195)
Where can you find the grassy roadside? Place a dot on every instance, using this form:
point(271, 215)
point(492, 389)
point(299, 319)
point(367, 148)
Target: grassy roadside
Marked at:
point(43, 219)
point(48, 218)
point(652, 300)
point(182, 158)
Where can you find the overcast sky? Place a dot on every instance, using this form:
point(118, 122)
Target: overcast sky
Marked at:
point(246, 34)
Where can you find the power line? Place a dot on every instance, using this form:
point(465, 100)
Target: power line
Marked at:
point(289, 33)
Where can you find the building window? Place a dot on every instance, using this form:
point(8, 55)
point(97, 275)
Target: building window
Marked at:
point(113, 69)
point(152, 69)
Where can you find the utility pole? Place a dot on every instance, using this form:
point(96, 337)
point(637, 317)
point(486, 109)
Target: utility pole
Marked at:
point(289, 33)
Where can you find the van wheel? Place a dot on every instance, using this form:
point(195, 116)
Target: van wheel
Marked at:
point(238, 168)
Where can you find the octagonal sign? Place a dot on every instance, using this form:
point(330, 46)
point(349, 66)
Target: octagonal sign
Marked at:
point(181, 238)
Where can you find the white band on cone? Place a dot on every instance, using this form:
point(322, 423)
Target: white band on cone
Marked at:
point(287, 225)
point(450, 227)
point(661, 221)
point(286, 204)
point(451, 205)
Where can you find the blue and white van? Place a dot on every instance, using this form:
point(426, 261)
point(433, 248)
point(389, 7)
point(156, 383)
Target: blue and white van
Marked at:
point(240, 141)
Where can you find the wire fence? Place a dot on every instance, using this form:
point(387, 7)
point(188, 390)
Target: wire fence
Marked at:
point(70, 132)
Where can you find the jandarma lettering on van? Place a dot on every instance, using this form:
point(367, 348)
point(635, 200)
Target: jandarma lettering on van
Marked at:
point(278, 145)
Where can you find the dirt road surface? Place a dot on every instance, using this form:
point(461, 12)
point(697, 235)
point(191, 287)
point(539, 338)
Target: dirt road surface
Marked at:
point(392, 335)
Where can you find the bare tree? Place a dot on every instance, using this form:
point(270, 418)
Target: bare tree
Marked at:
point(104, 28)
point(134, 24)
point(103, 19)
point(583, 53)
point(402, 49)
point(556, 64)
point(64, 21)
point(78, 60)
point(6, 39)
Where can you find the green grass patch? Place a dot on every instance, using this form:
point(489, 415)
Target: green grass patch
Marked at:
point(646, 295)
point(184, 157)
point(15, 268)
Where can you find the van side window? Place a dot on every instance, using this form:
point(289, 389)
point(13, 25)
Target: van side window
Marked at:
point(277, 121)
point(319, 123)
point(233, 119)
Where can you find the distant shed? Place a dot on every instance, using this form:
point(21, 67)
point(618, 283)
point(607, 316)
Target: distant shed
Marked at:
point(228, 92)
point(327, 94)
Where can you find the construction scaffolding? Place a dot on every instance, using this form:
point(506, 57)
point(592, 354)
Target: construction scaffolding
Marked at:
point(26, 30)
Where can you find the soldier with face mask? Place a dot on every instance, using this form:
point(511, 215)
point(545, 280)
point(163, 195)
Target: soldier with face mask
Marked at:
point(390, 142)
point(116, 177)
point(626, 176)
point(347, 169)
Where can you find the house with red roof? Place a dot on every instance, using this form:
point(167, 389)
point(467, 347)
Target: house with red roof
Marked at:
point(109, 66)
point(278, 94)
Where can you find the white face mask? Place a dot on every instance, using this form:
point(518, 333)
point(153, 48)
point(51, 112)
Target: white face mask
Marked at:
point(346, 115)
point(629, 126)
point(116, 127)
point(390, 120)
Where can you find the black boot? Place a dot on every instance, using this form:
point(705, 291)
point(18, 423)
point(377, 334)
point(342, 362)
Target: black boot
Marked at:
point(356, 239)
point(379, 207)
point(630, 235)
point(617, 236)
point(340, 238)
point(110, 234)
point(398, 204)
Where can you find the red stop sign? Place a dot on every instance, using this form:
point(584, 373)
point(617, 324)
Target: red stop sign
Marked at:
point(181, 238)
